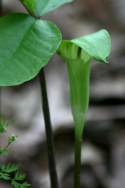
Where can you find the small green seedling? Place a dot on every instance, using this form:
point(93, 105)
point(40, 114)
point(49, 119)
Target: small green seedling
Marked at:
point(27, 43)
point(10, 173)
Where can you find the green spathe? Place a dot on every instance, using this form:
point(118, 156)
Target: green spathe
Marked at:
point(94, 46)
point(78, 53)
point(41, 7)
point(26, 45)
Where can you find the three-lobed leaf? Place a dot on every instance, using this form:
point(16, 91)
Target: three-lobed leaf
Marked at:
point(26, 45)
point(41, 7)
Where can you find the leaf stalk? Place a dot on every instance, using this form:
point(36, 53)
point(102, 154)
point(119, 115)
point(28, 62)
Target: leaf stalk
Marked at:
point(49, 132)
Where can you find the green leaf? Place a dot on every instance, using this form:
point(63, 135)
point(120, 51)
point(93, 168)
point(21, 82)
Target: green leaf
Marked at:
point(26, 185)
point(9, 168)
point(16, 184)
point(3, 151)
point(26, 45)
point(4, 176)
point(3, 125)
point(11, 173)
point(78, 53)
point(41, 7)
point(19, 176)
point(12, 139)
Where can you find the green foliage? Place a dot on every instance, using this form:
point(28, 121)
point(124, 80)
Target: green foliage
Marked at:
point(9, 168)
point(11, 139)
point(12, 175)
point(3, 128)
point(10, 172)
point(25, 47)
point(3, 125)
point(41, 7)
point(3, 151)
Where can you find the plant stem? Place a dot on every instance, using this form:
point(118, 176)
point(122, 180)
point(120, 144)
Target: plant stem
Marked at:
point(0, 87)
point(49, 133)
point(77, 163)
point(78, 143)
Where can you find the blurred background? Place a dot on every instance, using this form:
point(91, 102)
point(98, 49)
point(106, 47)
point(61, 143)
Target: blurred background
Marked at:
point(103, 149)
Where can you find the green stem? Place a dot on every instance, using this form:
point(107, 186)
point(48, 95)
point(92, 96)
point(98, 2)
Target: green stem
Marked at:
point(0, 87)
point(77, 163)
point(49, 133)
point(78, 144)
point(28, 10)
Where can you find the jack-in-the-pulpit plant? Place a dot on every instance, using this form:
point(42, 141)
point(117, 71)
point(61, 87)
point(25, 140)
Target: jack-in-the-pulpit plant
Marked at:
point(27, 42)
point(78, 54)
